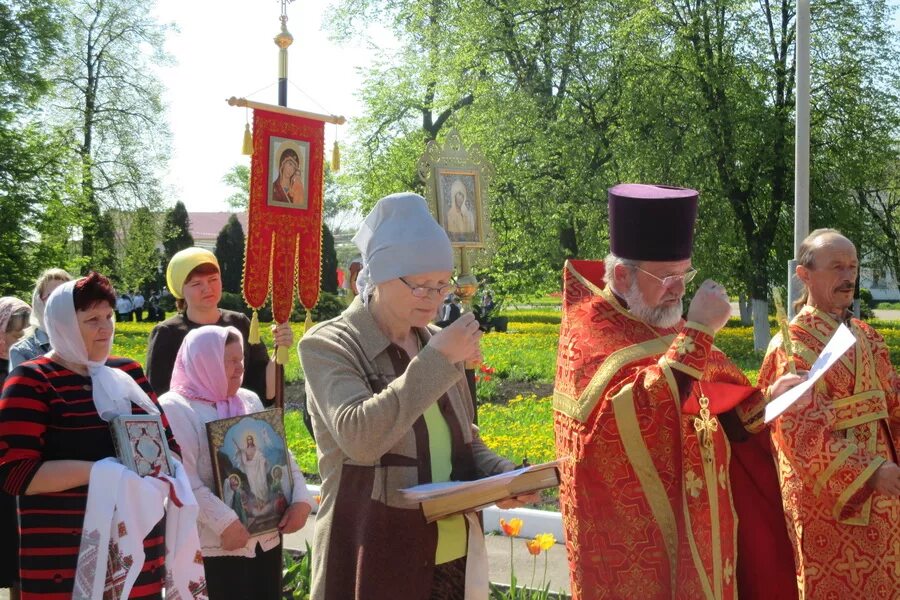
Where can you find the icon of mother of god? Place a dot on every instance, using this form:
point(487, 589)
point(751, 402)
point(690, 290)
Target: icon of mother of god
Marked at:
point(460, 219)
point(288, 186)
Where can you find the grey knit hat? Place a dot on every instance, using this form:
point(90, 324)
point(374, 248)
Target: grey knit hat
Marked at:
point(398, 238)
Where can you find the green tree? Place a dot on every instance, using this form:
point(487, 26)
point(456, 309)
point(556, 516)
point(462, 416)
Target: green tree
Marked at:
point(238, 178)
point(507, 75)
point(329, 262)
point(30, 174)
point(568, 98)
point(176, 232)
point(881, 208)
point(738, 60)
point(230, 254)
point(140, 259)
point(337, 202)
point(104, 258)
point(109, 97)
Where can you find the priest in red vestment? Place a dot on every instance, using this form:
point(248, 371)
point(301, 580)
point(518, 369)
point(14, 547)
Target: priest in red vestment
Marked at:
point(643, 401)
point(838, 458)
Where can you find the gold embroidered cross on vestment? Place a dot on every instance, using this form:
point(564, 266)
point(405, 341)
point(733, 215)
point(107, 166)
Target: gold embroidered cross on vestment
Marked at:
point(705, 426)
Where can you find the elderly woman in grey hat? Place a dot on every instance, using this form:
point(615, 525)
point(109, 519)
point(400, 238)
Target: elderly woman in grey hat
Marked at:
point(391, 409)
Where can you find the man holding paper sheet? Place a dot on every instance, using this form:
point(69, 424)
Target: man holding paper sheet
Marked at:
point(838, 456)
point(643, 400)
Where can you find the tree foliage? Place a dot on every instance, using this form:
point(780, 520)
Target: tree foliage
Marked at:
point(230, 254)
point(238, 178)
point(109, 98)
point(140, 259)
point(329, 262)
point(176, 231)
point(566, 98)
point(31, 180)
point(104, 258)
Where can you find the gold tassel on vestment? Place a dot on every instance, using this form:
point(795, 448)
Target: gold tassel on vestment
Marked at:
point(248, 141)
point(254, 329)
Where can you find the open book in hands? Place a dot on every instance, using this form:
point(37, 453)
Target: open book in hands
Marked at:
point(441, 500)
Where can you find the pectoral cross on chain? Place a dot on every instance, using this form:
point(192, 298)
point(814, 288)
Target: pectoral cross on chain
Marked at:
point(705, 426)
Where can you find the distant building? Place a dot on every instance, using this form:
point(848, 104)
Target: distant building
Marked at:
point(881, 282)
point(205, 226)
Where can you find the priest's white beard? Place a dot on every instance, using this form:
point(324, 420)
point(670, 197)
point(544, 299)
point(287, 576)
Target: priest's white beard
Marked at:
point(658, 316)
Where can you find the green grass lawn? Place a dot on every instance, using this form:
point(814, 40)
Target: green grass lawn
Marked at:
point(131, 341)
point(516, 427)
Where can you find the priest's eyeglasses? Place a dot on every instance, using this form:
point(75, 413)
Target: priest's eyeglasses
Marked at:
point(671, 280)
point(423, 291)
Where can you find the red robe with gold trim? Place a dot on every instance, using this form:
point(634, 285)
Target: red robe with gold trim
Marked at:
point(647, 495)
point(846, 536)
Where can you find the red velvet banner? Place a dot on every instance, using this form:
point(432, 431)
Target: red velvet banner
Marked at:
point(284, 237)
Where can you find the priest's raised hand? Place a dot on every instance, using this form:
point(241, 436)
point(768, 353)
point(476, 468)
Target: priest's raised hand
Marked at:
point(710, 306)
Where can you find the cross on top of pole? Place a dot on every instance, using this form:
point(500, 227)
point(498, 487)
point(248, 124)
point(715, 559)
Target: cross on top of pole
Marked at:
point(284, 5)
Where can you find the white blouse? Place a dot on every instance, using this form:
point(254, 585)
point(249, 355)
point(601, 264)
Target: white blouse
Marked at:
point(188, 419)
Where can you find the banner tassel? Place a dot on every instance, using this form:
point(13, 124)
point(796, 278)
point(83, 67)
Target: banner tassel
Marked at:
point(307, 325)
point(254, 329)
point(281, 355)
point(248, 141)
point(335, 158)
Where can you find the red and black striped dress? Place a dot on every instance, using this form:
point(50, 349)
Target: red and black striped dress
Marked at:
point(47, 413)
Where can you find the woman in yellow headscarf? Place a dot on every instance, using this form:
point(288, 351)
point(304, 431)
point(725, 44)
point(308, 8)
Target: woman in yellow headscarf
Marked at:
point(194, 278)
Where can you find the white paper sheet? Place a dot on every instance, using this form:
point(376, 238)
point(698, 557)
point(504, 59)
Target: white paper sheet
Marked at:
point(840, 342)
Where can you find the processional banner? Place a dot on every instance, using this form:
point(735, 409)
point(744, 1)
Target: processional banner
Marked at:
point(284, 237)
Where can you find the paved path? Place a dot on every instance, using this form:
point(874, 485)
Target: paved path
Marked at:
point(887, 315)
point(498, 560)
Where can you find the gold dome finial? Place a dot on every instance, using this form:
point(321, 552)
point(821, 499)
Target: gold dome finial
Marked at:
point(284, 37)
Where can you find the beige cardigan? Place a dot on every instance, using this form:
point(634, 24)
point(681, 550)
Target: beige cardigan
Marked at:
point(366, 407)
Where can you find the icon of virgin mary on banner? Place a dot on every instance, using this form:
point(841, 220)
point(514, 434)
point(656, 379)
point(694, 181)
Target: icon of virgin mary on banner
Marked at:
point(284, 237)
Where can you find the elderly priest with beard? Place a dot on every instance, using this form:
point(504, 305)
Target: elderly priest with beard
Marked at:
point(644, 406)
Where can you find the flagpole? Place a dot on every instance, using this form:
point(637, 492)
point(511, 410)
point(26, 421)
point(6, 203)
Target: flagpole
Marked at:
point(283, 40)
point(801, 149)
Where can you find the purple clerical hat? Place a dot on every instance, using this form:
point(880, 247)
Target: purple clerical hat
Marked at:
point(651, 222)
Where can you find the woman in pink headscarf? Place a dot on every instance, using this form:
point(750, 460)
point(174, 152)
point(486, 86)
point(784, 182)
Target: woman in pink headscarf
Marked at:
point(206, 386)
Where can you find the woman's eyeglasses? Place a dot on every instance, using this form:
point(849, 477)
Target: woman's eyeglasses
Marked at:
point(422, 291)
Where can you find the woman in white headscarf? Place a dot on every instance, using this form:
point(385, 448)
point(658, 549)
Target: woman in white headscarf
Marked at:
point(391, 409)
point(53, 428)
point(36, 342)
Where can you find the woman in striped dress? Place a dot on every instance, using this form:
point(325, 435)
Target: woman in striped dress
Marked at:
point(53, 427)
